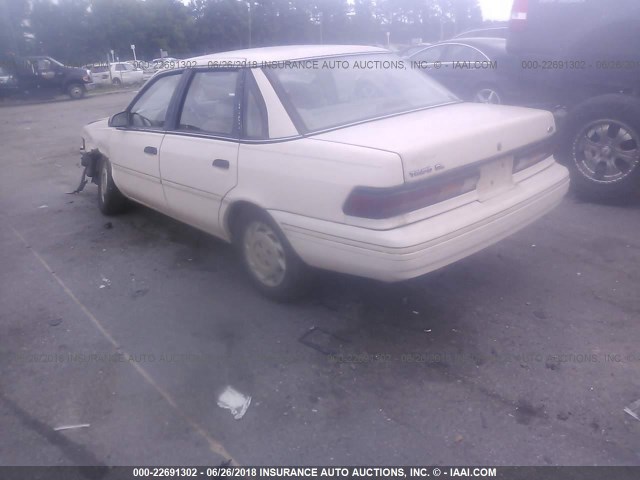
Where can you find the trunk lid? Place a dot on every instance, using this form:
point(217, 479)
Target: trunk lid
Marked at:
point(435, 141)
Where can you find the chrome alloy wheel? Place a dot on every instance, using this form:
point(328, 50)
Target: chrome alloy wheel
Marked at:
point(264, 253)
point(607, 151)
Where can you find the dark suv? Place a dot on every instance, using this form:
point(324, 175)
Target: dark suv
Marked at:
point(586, 55)
point(45, 75)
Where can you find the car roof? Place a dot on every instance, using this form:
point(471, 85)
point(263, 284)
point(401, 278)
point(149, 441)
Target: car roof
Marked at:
point(477, 32)
point(485, 44)
point(289, 52)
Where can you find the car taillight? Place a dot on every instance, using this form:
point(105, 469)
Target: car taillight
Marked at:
point(530, 156)
point(519, 14)
point(379, 203)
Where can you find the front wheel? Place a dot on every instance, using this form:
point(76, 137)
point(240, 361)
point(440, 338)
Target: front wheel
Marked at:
point(601, 147)
point(110, 200)
point(271, 263)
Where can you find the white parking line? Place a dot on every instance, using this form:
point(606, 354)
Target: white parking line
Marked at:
point(214, 445)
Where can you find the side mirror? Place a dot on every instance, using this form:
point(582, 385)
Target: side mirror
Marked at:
point(119, 120)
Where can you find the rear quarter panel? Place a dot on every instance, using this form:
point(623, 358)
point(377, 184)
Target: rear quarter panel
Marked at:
point(309, 177)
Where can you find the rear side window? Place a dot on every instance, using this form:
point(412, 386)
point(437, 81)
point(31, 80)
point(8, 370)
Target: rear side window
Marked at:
point(210, 104)
point(150, 109)
point(254, 112)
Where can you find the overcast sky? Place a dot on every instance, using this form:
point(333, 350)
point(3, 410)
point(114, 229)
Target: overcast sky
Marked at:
point(496, 9)
point(491, 9)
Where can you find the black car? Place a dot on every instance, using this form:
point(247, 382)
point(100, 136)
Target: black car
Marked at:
point(586, 56)
point(42, 75)
point(475, 69)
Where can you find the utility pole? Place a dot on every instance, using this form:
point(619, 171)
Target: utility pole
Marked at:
point(249, 8)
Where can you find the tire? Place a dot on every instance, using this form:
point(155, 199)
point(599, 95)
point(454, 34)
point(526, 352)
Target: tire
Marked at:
point(487, 94)
point(600, 146)
point(117, 82)
point(75, 91)
point(274, 268)
point(110, 200)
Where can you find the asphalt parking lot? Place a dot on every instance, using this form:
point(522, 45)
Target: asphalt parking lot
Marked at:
point(129, 328)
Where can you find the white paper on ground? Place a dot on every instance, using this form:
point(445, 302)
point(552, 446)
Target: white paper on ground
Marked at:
point(233, 400)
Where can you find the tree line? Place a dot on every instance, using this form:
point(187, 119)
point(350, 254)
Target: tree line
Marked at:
point(84, 31)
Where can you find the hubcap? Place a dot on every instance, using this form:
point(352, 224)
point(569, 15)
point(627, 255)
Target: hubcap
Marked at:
point(75, 91)
point(607, 151)
point(103, 181)
point(487, 95)
point(265, 254)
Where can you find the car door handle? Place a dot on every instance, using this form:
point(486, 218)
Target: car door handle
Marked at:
point(151, 150)
point(219, 163)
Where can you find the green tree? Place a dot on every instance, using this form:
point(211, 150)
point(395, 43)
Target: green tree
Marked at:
point(78, 31)
point(61, 29)
point(14, 31)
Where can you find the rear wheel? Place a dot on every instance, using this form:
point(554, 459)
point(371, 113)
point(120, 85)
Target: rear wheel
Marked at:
point(110, 200)
point(75, 91)
point(117, 82)
point(602, 147)
point(271, 263)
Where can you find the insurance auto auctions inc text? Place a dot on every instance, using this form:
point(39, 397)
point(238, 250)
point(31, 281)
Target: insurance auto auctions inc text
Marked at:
point(387, 472)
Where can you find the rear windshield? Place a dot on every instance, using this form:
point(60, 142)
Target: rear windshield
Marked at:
point(332, 92)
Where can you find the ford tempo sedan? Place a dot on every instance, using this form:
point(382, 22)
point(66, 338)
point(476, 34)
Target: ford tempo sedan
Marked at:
point(334, 157)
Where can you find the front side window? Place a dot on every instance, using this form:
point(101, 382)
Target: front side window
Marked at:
point(44, 65)
point(150, 110)
point(353, 89)
point(210, 104)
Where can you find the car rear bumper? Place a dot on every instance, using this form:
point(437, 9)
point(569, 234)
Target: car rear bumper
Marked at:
point(416, 249)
